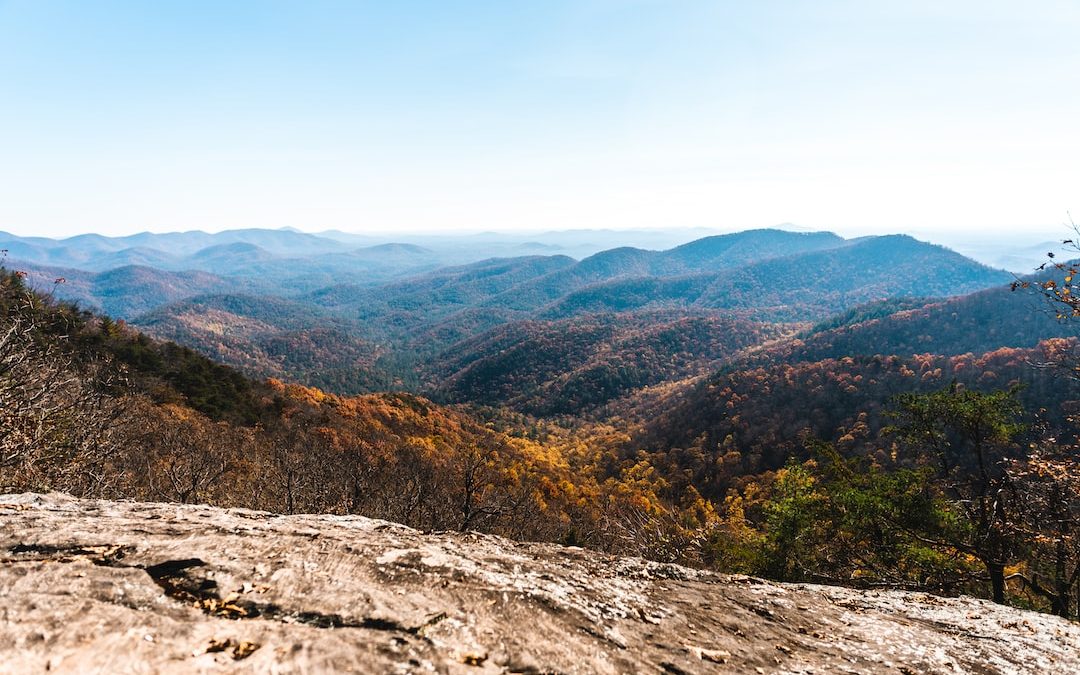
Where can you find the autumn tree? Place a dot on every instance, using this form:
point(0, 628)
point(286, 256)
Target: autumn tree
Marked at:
point(187, 455)
point(1049, 481)
point(1056, 281)
point(483, 494)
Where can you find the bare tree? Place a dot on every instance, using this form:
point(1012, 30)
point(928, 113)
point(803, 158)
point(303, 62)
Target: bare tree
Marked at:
point(1049, 480)
point(186, 455)
point(57, 412)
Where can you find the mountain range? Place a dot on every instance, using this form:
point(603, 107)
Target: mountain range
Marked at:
point(296, 306)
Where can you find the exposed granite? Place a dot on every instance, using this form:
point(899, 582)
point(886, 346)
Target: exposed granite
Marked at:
point(120, 587)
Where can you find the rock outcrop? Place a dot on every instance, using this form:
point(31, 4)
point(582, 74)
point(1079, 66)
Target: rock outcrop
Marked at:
point(119, 587)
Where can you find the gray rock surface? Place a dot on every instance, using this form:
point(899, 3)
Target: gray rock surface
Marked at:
point(118, 587)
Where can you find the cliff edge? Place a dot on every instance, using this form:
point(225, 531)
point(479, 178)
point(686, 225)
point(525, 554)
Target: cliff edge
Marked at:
point(120, 587)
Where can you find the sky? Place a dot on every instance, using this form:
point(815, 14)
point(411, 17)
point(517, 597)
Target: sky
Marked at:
point(856, 116)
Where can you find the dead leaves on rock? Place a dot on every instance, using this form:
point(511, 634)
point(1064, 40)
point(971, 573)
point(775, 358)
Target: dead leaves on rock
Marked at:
point(224, 607)
point(474, 659)
point(238, 649)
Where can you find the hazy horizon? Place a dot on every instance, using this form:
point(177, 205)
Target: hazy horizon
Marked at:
point(1019, 235)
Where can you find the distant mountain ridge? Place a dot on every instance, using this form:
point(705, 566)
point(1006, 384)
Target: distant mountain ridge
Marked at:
point(305, 261)
point(807, 285)
point(387, 315)
point(179, 250)
point(728, 271)
point(124, 291)
point(182, 244)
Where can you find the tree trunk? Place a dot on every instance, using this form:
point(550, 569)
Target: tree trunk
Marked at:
point(1060, 605)
point(997, 581)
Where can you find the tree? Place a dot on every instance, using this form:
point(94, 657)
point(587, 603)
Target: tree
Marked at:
point(1057, 282)
point(1049, 480)
point(841, 521)
point(795, 518)
point(187, 454)
point(968, 436)
point(1061, 287)
point(58, 411)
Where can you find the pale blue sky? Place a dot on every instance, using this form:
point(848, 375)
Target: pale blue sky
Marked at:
point(856, 116)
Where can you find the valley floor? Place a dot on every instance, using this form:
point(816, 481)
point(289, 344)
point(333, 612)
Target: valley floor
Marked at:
point(98, 586)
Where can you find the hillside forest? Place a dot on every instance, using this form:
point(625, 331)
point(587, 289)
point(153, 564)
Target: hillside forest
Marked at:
point(875, 412)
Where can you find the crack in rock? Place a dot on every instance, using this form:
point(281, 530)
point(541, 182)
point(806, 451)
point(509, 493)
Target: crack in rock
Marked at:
point(202, 593)
point(173, 577)
point(98, 554)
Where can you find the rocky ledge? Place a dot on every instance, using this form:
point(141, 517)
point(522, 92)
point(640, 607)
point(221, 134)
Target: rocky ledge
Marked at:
point(115, 587)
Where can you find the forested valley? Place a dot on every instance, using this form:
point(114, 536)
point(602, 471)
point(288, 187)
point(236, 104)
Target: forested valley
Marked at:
point(876, 412)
